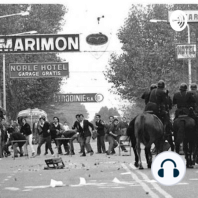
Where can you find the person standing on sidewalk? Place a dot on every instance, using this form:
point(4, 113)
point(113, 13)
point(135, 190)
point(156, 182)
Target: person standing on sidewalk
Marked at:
point(26, 131)
point(46, 136)
point(100, 137)
point(85, 135)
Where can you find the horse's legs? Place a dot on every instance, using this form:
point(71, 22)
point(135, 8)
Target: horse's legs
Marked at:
point(170, 141)
point(136, 157)
point(191, 152)
point(177, 147)
point(159, 145)
point(139, 154)
point(148, 156)
point(188, 153)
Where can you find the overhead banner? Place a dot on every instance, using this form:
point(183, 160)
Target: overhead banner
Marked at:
point(186, 51)
point(80, 98)
point(38, 70)
point(40, 43)
point(192, 15)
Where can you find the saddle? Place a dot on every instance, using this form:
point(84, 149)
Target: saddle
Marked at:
point(151, 112)
point(183, 116)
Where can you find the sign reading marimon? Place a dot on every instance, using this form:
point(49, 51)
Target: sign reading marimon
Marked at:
point(40, 43)
point(38, 70)
point(185, 51)
point(81, 98)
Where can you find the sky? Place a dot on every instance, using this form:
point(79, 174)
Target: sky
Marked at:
point(86, 70)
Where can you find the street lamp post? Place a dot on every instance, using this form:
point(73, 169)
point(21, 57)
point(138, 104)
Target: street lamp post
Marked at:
point(4, 73)
point(4, 85)
point(189, 60)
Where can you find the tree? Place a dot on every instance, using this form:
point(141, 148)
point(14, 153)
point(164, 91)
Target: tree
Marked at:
point(105, 112)
point(148, 52)
point(131, 111)
point(45, 19)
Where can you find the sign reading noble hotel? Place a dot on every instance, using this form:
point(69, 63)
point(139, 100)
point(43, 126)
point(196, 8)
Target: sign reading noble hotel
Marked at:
point(38, 70)
point(81, 98)
point(186, 51)
point(40, 43)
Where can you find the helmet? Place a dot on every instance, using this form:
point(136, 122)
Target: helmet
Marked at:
point(183, 87)
point(193, 86)
point(153, 86)
point(161, 84)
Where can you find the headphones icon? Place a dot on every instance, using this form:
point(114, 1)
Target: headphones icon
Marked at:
point(175, 171)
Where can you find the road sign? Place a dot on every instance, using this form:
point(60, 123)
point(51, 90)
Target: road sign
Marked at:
point(40, 43)
point(78, 98)
point(97, 39)
point(186, 51)
point(192, 15)
point(178, 20)
point(38, 70)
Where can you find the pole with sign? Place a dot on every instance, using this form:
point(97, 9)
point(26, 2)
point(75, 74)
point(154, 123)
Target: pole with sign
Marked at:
point(78, 98)
point(38, 70)
point(178, 21)
point(186, 51)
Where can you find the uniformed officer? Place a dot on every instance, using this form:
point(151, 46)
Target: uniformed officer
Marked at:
point(158, 101)
point(184, 100)
point(146, 94)
point(194, 90)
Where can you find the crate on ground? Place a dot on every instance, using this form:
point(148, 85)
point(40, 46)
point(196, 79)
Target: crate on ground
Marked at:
point(54, 163)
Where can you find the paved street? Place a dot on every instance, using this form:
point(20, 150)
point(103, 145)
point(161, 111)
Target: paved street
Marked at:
point(93, 176)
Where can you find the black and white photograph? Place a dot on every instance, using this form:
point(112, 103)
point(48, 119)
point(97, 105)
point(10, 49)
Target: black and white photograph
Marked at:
point(98, 98)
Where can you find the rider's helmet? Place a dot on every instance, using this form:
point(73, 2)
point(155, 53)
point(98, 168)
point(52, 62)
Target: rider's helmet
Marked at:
point(153, 86)
point(193, 86)
point(183, 87)
point(161, 84)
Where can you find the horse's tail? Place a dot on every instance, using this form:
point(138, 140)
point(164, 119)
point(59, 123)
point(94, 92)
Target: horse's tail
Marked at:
point(181, 132)
point(142, 129)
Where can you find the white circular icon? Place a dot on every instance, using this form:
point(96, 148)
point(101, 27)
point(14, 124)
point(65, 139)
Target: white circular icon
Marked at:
point(168, 168)
point(99, 97)
point(178, 20)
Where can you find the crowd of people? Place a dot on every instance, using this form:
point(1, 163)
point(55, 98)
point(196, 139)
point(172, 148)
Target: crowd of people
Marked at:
point(157, 101)
point(55, 132)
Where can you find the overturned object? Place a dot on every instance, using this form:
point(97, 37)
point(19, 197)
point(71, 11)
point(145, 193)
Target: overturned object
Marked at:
point(54, 163)
point(55, 183)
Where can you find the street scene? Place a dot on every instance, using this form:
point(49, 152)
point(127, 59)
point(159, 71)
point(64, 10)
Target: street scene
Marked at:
point(98, 101)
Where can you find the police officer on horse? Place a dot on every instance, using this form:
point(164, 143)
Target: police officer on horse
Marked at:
point(184, 100)
point(158, 102)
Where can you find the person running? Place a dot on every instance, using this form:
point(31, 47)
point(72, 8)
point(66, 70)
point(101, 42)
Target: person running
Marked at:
point(85, 135)
point(26, 131)
point(45, 136)
point(99, 125)
point(16, 136)
point(111, 137)
point(76, 127)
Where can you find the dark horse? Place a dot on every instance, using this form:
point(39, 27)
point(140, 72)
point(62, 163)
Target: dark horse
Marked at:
point(147, 129)
point(185, 131)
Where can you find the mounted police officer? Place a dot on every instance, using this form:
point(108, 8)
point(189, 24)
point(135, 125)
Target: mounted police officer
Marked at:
point(194, 90)
point(146, 94)
point(158, 101)
point(184, 100)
